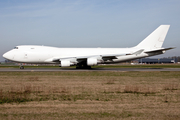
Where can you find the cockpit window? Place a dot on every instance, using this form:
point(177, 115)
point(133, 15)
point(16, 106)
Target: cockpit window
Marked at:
point(15, 47)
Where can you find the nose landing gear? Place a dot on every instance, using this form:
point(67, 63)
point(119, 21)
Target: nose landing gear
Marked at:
point(21, 67)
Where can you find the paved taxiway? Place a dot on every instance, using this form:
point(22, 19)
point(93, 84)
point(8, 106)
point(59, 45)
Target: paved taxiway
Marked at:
point(94, 69)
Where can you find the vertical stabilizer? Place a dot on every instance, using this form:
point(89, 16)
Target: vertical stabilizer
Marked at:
point(155, 39)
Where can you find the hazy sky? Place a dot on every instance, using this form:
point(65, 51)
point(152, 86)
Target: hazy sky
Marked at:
point(87, 23)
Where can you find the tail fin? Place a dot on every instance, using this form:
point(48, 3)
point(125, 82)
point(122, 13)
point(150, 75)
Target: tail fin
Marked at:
point(155, 39)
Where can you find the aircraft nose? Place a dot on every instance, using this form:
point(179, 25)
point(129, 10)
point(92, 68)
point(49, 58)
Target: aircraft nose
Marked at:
point(7, 55)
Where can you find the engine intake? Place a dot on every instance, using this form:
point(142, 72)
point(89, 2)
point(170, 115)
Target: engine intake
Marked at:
point(92, 61)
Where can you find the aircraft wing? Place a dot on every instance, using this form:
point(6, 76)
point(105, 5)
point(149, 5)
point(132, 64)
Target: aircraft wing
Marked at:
point(104, 57)
point(83, 58)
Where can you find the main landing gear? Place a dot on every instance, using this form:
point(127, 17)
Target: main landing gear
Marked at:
point(83, 66)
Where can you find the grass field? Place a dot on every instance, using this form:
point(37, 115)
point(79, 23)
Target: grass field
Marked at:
point(90, 95)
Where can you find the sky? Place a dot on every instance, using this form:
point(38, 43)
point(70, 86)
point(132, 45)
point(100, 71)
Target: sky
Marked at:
point(87, 23)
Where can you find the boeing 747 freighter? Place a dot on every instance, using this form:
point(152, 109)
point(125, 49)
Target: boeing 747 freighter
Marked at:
point(87, 57)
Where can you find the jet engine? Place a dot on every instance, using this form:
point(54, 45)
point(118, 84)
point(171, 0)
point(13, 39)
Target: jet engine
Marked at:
point(65, 63)
point(92, 61)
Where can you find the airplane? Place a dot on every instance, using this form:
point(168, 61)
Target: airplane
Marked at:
point(87, 57)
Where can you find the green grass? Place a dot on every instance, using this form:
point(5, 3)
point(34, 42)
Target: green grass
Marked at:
point(140, 66)
point(148, 74)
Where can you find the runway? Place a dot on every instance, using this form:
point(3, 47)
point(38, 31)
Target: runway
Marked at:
point(93, 69)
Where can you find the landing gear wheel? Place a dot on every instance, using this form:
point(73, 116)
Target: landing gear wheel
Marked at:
point(21, 67)
point(83, 67)
point(88, 67)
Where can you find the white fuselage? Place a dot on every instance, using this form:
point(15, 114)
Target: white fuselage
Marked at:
point(45, 54)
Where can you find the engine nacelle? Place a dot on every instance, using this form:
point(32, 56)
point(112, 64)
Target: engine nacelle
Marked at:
point(65, 63)
point(92, 61)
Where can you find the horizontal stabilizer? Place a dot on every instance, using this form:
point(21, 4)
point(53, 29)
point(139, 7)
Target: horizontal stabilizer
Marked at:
point(158, 50)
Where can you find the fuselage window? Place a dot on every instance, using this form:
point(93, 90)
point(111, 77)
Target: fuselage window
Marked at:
point(15, 47)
